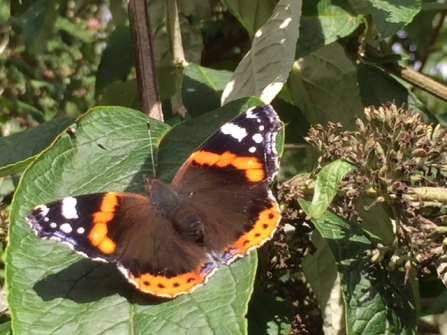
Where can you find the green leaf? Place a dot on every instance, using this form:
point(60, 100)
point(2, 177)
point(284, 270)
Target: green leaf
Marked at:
point(116, 60)
point(124, 94)
point(265, 68)
point(326, 186)
point(251, 14)
point(5, 328)
point(18, 150)
point(19, 7)
point(198, 8)
point(269, 315)
point(55, 291)
point(391, 16)
point(378, 87)
point(321, 273)
point(177, 145)
point(377, 299)
point(38, 24)
point(324, 86)
point(376, 221)
point(202, 88)
point(160, 38)
point(438, 306)
point(192, 40)
point(324, 22)
point(7, 187)
point(73, 29)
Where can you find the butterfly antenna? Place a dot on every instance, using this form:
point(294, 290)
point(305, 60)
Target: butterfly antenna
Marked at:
point(151, 149)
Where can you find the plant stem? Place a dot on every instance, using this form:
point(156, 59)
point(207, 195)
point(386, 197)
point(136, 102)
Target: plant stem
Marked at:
point(144, 59)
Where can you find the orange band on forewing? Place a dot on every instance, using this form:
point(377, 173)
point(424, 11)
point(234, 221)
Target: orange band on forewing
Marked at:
point(227, 158)
point(204, 158)
point(98, 234)
point(101, 217)
point(251, 165)
point(247, 163)
point(107, 246)
point(171, 287)
point(263, 229)
point(109, 202)
point(255, 175)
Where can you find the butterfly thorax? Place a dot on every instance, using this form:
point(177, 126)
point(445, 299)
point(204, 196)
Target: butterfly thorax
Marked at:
point(166, 202)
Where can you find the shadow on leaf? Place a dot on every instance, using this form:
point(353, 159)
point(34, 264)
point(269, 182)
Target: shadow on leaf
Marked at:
point(87, 281)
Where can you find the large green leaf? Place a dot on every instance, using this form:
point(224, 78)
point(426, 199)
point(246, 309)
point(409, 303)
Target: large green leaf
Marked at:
point(54, 291)
point(377, 300)
point(324, 22)
point(18, 150)
point(324, 86)
point(265, 68)
point(392, 16)
point(251, 14)
point(202, 87)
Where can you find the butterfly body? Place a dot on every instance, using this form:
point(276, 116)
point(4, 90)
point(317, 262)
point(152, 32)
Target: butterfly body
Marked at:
point(218, 207)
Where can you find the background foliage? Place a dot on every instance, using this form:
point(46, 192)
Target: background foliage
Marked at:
point(343, 269)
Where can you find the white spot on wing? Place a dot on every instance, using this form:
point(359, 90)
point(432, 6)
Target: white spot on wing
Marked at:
point(235, 131)
point(261, 128)
point(43, 210)
point(80, 230)
point(53, 225)
point(252, 149)
point(257, 138)
point(249, 114)
point(66, 228)
point(69, 208)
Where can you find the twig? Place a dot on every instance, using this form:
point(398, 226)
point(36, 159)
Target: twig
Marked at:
point(431, 196)
point(409, 75)
point(144, 59)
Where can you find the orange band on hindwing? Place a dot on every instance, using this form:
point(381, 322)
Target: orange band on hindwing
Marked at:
point(263, 229)
point(98, 234)
point(166, 287)
point(251, 165)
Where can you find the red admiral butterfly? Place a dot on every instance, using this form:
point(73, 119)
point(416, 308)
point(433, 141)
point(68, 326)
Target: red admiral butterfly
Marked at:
point(217, 207)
